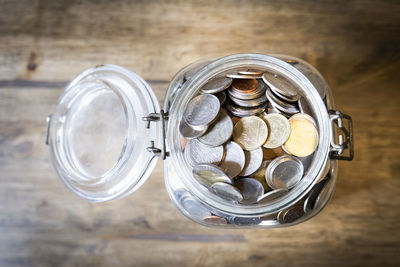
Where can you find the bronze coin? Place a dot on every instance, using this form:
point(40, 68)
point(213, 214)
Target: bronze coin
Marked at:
point(245, 84)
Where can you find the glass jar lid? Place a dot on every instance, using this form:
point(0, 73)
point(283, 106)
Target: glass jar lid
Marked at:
point(97, 136)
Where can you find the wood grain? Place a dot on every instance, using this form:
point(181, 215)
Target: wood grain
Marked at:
point(43, 44)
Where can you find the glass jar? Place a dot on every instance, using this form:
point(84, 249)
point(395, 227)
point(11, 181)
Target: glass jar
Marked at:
point(108, 130)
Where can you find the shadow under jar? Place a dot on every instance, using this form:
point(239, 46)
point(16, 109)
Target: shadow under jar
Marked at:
point(108, 131)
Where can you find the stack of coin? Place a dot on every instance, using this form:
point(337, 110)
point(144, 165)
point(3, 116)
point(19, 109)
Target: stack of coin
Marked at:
point(241, 151)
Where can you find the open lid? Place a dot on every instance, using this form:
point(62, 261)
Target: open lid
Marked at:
point(97, 136)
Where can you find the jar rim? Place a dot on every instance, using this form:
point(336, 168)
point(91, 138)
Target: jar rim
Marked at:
point(222, 65)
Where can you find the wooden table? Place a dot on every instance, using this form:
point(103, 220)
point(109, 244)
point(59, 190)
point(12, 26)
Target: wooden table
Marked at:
point(43, 44)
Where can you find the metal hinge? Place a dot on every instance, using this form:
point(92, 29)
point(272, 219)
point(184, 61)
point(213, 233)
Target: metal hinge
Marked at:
point(154, 117)
point(344, 142)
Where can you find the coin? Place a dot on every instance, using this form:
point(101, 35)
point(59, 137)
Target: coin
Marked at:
point(285, 98)
point(249, 102)
point(250, 188)
point(183, 142)
point(309, 202)
point(279, 130)
point(219, 132)
point(324, 195)
point(259, 175)
point(254, 159)
point(304, 106)
point(216, 85)
point(303, 138)
point(246, 220)
point(280, 85)
point(272, 195)
point(304, 116)
point(281, 105)
point(243, 111)
point(202, 111)
point(235, 75)
point(284, 172)
point(245, 84)
point(235, 120)
point(253, 72)
point(291, 214)
point(221, 97)
point(215, 220)
point(306, 161)
point(208, 174)
point(227, 192)
point(194, 207)
point(234, 160)
point(248, 94)
point(190, 133)
point(250, 132)
point(198, 153)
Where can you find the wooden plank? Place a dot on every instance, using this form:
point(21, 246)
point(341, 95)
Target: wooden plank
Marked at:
point(43, 44)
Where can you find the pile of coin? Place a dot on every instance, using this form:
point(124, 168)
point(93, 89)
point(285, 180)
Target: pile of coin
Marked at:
point(247, 136)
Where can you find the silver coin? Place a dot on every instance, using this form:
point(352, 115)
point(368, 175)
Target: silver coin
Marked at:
point(324, 195)
point(309, 202)
point(208, 174)
point(190, 133)
point(248, 95)
point(306, 161)
point(219, 132)
point(250, 188)
point(253, 72)
point(243, 111)
point(221, 97)
point(254, 159)
point(280, 85)
point(291, 214)
point(202, 111)
point(227, 192)
point(281, 105)
point(285, 98)
point(216, 85)
point(194, 207)
point(234, 160)
point(249, 102)
point(246, 220)
point(279, 129)
point(304, 106)
point(197, 153)
point(284, 172)
point(272, 195)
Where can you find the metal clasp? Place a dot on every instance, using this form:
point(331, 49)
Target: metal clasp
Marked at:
point(154, 117)
point(344, 142)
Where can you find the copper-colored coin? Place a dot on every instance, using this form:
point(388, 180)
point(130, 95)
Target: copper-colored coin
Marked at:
point(245, 84)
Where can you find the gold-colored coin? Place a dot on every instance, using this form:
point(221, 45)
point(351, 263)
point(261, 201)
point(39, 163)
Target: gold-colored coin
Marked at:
point(250, 132)
point(303, 138)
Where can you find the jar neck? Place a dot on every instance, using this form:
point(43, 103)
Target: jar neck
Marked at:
point(219, 67)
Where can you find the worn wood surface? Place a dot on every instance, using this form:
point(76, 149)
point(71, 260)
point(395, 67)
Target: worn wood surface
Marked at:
point(43, 44)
